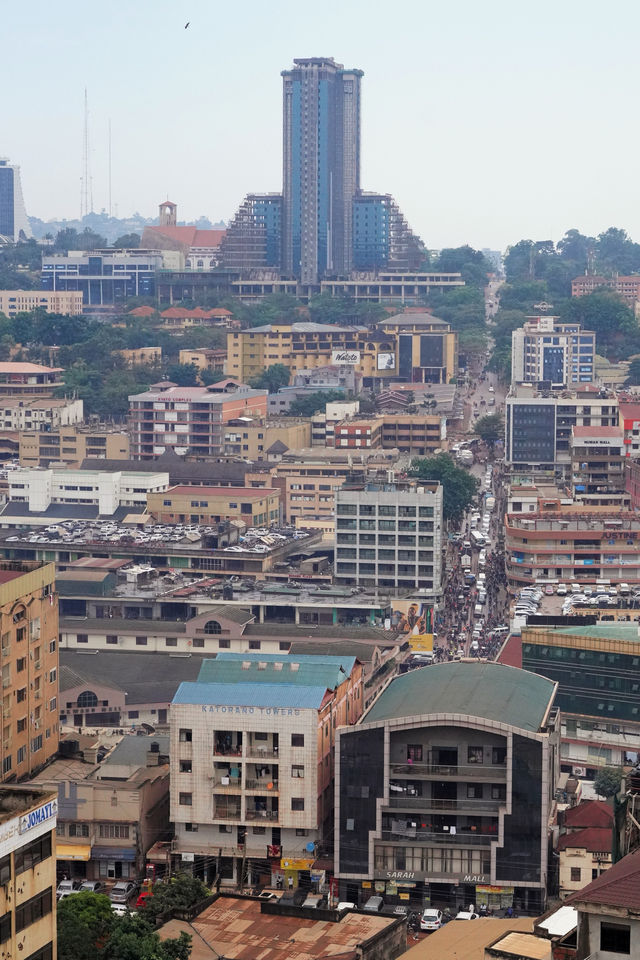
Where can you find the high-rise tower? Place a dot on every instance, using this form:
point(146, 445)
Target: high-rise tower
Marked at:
point(13, 216)
point(321, 167)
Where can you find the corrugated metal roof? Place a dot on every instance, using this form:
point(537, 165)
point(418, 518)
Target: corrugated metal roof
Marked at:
point(327, 672)
point(488, 690)
point(279, 695)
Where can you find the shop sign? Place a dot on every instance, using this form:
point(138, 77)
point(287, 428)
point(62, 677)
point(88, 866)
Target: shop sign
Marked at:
point(299, 864)
point(379, 887)
point(487, 888)
point(36, 817)
point(348, 357)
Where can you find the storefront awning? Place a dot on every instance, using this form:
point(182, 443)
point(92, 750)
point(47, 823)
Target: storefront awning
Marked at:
point(73, 851)
point(113, 853)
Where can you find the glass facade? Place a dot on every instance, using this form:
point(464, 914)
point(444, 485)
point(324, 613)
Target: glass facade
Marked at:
point(532, 433)
point(362, 750)
point(371, 242)
point(592, 683)
point(7, 223)
point(519, 858)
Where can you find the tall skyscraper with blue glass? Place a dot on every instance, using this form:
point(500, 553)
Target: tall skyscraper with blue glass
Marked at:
point(322, 225)
point(14, 224)
point(321, 167)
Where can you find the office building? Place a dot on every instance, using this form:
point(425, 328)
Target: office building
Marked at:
point(550, 536)
point(322, 226)
point(427, 348)
point(38, 496)
point(71, 444)
point(12, 302)
point(321, 167)
point(28, 381)
point(596, 668)
point(390, 535)
point(189, 419)
point(112, 810)
point(597, 465)
point(28, 872)
point(252, 753)
point(265, 439)
point(627, 287)
point(29, 610)
point(550, 350)
point(106, 278)
point(462, 768)
point(14, 223)
point(211, 505)
point(539, 422)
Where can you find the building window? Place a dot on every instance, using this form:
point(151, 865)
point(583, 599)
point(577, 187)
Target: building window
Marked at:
point(475, 755)
point(5, 925)
point(259, 831)
point(133, 714)
point(44, 953)
point(5, 870)
point(615, 937)
point(301, 833)
point(112, 638)
point(297, 770)
point(212, 626)
point(185, 766)
point(254, 644)
point(33, 910)
point(575, 874)
point(198, 642)
point(114, 831)
point(185, 799)
point(185, 735)
point(87, 699)
point(7, 763)
point(171, 641)
point(191, 827)
point(21, 695)
point(78, 829)
point(224, 643)
point(82, 638)
point(297, 739)
point(141, 641)
point(297, 803)
point(32, 853)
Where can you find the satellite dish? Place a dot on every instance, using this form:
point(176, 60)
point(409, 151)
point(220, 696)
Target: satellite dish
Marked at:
point(311, 847)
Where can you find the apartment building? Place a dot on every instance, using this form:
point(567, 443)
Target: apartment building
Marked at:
point(179, 319)
point(462, 768)
point(553, 537)
point(28, 381)
point(585, 845)
point(72, 444)
point(28, 872)
point(419, 435)
point(29, 611)
point(627, 287)
point(539, 422)
point(209, 505)
point(189, 419)
point(360, 432)
point(597, 465)
point(252, 752)
point(550, 350)
point(67, 303)
point(260, 439)
point(390, 535)
point(19, 415)
point(111, 810)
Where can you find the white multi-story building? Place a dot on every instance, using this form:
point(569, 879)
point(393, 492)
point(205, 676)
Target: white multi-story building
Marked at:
point(106, 491)
point(550, 350)
point(252, 761)
point(390, 535)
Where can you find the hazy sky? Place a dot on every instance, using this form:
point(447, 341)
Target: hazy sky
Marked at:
point(489, 121)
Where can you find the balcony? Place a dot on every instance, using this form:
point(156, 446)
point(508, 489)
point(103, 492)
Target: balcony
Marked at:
point(475, 771)
point(262, 749)
point(227, 784)
point(226, 811)
point(446, 839)
point(262, 815)
point(474, 807)
point(263, 785)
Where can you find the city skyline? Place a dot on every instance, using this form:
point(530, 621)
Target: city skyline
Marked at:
point(479, 139)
